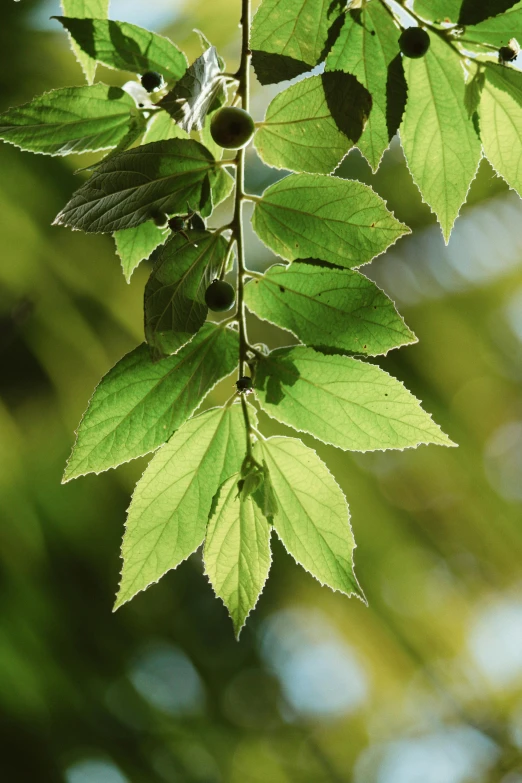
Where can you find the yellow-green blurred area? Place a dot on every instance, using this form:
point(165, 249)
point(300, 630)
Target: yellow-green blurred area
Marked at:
point(426, 683)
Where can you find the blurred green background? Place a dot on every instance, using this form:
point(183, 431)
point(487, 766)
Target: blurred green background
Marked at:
point(425, 684)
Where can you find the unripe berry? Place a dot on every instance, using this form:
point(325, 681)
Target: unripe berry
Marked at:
point(232, 127)
point(177, 223)
point(414, 42)
point(152, 80)
point(506, 54)
point(159, 218)
point(220, 296)
point(244, 384)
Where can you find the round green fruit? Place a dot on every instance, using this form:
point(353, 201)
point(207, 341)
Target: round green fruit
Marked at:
point(220, 296)
point(414, 42)
point(232, 127)
point(152, 80)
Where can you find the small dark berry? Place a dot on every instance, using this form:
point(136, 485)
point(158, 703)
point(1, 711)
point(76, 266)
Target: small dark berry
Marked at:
point(177, 223)
point(232, 127)
point(159, 218)
point(220, 296)
point(152, 80)
point(244, 384)
point(414, 42)
point(506, 54)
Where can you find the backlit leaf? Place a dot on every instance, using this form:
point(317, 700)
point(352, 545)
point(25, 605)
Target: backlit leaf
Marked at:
point(368, 48)
point(500, 122)
point(162, 127)
point(169, 176)
point(328, 307)
point(71, 119)
point(126, 47)
point(289, 37)
point(170, 506)
point(84, 9)
point(237, 552)
point(135, 245)
point(438, 136)
point(497, 30)
point(342, 401)
point(316, 216)
point(312, 520)
point(308, 128)
point(140, 403)
point(175, 306)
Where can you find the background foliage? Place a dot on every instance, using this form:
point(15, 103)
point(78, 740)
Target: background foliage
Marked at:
point(427, 681)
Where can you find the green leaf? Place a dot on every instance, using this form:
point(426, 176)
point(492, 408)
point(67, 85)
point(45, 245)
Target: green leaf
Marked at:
point(135, 245)
point(439, 139)
point(465, 12)
point(85, 9)
point(126, 47)
point(368, 48)
point(175, 306)
point(127, 189)
point(313, 520)
point(71, 119)
point(168, 515)
point(500, 120)
point(336, 308)
point(191, 98)
point(140, 403)
point(497, 30)
point(336, 220)
point(289, 37)
point(342, 401)
point(162, 127)
point(308, 128)
point(438, 10)
point(237, 552)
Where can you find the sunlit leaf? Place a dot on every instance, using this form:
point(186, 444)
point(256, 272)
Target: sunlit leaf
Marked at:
point(71, 119)
point(438, 136)
point(497, 30)
point(168, 176)
point(84, 9)
point(125, 46)
point(191, 98)
point(162, 127)
point(368, 48)
point(500, 122)
point(328, 307)
point(312, 125)
point(175, 306)
point(289, 37)
point(342, 401)
point(312, 520)
point(237, 552)
point(316, 216)
point(140, 403)
point(170, 506)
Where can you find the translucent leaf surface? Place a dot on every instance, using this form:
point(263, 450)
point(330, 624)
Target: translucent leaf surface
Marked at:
point(289, 37)
point(328, 307)
point(170, 506)
point(169, 176)
point(191, 98)
point(312, 125)
point(237, 552)
point(83, 9)
point(497, 30)
point(126, 46)
point(368, 48)
point(135, 245)
point(316, 216)
point(140, 403)
point(162, 127)
point(71, 119)
point(312, 520)
point(342, 401)
point(175, 306)
point(501, 122)
point(438, 136)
